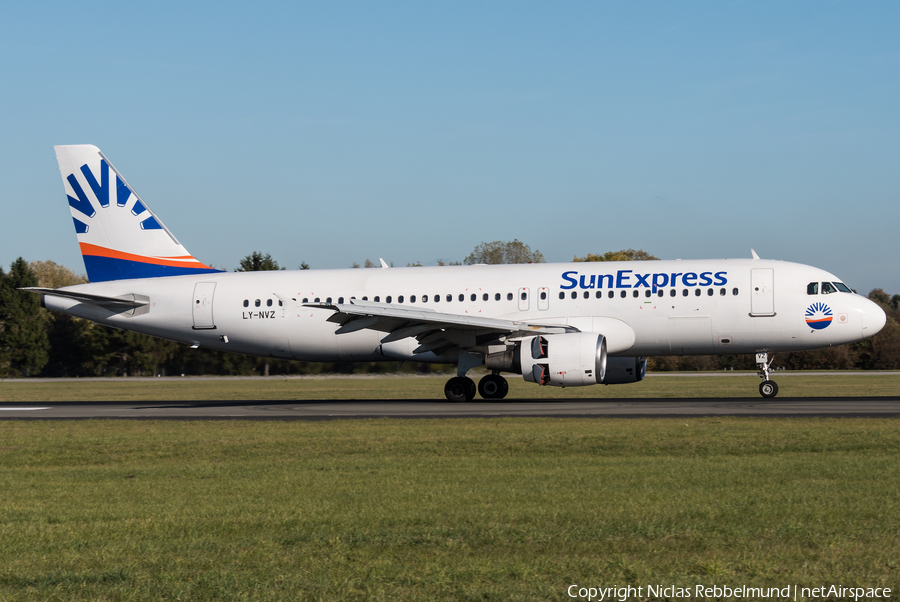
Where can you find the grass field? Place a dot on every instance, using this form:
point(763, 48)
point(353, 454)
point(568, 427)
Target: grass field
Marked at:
point(467, 509)
point(432, 387)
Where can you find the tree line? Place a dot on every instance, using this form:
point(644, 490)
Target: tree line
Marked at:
point(38, 342)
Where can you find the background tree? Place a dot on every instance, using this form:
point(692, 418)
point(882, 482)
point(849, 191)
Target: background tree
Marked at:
point(304, 265)
point(52, 275)
point(23, 323)
point(257, 262)
point(623, 255)
point(499, 252)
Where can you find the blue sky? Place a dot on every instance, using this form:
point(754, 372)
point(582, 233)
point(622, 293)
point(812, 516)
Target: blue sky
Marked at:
point(336, 132)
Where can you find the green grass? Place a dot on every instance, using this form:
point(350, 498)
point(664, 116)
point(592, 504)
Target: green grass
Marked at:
point(502, 509)
point(432, 387)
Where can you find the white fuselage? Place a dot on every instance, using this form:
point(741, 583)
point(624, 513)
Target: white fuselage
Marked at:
point(643, 308)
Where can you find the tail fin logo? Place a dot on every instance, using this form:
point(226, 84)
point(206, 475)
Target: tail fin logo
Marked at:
point(101, 192)
point(119, 235)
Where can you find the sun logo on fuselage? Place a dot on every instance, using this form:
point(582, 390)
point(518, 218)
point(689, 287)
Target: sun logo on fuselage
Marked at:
point(818, 316)
point(102, 192)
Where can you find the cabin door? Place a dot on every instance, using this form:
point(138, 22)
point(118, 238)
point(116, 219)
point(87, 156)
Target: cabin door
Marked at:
point(203, 306)
point(762, 292)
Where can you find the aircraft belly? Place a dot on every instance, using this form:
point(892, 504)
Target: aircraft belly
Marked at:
point(690, 335)
point(361, 345)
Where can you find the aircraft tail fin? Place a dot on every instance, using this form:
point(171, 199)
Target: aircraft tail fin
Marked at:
point(119, 235)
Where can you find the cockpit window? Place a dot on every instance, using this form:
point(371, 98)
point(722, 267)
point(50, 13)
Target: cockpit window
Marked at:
point(812, 288)
point(828, 288)
point(842, 287)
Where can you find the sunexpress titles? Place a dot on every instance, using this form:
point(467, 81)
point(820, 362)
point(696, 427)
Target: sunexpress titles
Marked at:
point(632, 279)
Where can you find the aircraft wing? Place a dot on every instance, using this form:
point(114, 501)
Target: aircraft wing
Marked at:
point(435, 330)
point(124, 302)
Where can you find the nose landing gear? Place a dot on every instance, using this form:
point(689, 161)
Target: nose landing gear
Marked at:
point(767, 388)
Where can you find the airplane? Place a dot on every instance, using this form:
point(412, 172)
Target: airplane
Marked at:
point(554, 324)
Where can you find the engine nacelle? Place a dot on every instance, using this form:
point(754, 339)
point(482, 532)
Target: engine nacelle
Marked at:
point(623, 370)
point(572, 359)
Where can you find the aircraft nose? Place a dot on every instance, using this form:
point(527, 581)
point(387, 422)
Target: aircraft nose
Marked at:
point(873, 319)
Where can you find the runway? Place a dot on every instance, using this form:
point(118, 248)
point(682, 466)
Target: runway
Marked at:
point(355, 409)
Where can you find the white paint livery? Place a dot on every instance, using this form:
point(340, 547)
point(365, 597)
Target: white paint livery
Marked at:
point(556, 324)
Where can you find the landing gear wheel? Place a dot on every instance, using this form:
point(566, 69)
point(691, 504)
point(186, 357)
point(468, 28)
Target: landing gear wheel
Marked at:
point(460, 388)
point(768, 389)
point(493, 386)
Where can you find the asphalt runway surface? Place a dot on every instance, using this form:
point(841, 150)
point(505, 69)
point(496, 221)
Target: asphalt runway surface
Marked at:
point(349, 409)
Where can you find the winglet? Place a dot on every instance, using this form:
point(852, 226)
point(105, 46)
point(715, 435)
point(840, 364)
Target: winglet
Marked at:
point(755, 256)
point(383, 264)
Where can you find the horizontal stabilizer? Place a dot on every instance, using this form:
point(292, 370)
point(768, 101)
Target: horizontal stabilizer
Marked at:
point(120, 303)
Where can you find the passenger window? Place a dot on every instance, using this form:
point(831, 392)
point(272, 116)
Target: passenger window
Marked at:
point(828, 288)
point(562, 295)
point(660, 293)
point(812, 288)
point(734, 292)
point(246, 303)
point(697, 292)
point(387, 299)
point(306, 299)
point(268, 303)
point(280, 304)
point(599, 294)
point(574, 295)
point(473, 297)
point(496, 296)
point(623, 294)
point(543, 295)
point(647, 293)
point(256, 303)
point(328, 300)
point(673, 292)
point(684, 293)
point(635, 293)
point(400, 299)
point(365, 298)
point(525, 296)
point(611, 294)
point(484, 297)
point(437, 298)
point(721, 292)
point(709, 292)
point(462, 298)
point(340, 299)
point(587, 295)
point(509, 296)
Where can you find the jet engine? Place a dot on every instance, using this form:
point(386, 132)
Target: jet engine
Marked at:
point(571, 359)
point(623, 370)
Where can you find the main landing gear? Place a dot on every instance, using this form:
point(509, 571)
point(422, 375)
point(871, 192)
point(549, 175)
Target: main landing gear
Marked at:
point(462, 388)
point(767, 388)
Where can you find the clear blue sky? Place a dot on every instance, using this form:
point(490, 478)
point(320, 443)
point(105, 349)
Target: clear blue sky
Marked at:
point(335, 132)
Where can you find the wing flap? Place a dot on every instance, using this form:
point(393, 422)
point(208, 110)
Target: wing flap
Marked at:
point(436, 331)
